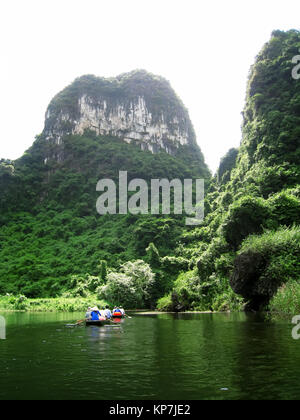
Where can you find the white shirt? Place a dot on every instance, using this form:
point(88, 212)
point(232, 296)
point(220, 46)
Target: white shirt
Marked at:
point(107, 313)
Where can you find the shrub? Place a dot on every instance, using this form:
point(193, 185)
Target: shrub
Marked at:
point(131, 287)
point(187, 291)
point(82, 286)
point(165, 303)
point(285, 208)
point(207, 261)
point(227, 301)
point(153, 257)
point(246, 216)
point(265, 263)
point(286, 302)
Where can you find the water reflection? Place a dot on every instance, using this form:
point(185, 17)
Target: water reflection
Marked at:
point(100, 333)
point(164, 356)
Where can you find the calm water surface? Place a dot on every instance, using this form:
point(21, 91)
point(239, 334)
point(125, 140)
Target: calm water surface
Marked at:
point(165, 356)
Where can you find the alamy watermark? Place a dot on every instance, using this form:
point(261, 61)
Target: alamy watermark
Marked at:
point(295, 330)
point(157, 202)
point(2, 328)
point(296, 69)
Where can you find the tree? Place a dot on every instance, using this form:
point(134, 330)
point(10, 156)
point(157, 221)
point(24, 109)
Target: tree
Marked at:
point(103, 271)
point(227, 163)
point(130, 287)
point(153, 256)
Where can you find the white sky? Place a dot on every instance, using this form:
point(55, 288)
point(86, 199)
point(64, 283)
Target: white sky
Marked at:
point(204, 48)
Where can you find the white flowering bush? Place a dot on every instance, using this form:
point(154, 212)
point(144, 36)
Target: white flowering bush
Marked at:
point(130, 287)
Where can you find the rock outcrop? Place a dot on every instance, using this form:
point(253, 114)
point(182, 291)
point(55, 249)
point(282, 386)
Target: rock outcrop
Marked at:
point(137, 107)
point(249, 280)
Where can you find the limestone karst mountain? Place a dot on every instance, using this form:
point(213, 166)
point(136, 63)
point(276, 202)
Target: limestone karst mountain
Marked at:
point(137, 107)
point(248, 244)
point(94, 128)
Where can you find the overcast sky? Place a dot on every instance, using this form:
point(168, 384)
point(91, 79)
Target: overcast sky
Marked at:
point(204, 48)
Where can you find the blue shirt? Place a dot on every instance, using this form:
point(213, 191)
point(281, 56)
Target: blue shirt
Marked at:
point(95, 315)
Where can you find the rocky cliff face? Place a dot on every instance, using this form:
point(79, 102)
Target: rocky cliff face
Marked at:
point(137, 107)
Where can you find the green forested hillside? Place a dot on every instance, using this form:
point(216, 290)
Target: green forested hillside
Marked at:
point(249, 238)
point(50, 229)
point(245, 252)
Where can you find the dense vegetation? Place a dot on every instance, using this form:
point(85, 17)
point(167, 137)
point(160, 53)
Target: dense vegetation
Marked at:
point(50, 229)
point(246, 252)
point(249, 237)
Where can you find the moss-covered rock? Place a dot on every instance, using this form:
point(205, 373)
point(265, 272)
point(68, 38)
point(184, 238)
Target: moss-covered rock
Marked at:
point(265, 263)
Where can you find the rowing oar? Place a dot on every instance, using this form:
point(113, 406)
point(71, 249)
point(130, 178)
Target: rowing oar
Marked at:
point(77, 323)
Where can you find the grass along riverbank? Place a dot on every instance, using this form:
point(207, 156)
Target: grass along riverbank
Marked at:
point(286, 302)
point(21, 303)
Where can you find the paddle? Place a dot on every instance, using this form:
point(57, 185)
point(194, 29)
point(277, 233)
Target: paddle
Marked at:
point(77, 323)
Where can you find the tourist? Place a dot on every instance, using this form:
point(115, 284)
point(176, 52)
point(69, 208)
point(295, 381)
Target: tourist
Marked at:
point(107, 312)
point(95, 315)
point(88, 315)
point(117, 312)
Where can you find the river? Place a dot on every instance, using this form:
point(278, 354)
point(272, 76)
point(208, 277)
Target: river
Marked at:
point(149, 357)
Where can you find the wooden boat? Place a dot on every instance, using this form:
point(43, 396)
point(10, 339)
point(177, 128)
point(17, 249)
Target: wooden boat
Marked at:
point(97, 323)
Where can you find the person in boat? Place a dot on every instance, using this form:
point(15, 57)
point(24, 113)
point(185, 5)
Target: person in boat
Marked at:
point(117, 311)
point(122, 311)
point(88, 314)
point(95, 314)
point(107, 312)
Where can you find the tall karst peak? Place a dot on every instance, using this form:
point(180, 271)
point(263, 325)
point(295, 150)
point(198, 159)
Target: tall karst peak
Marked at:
point(138, 107)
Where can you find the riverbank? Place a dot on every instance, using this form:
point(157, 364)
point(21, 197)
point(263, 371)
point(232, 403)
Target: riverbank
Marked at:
point(145, 312)
point(59, 304)
point(286, 303)
point(283, 305)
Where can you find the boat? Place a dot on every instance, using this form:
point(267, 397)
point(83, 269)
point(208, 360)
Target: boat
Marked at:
point(97, 323)
point(118, 315)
